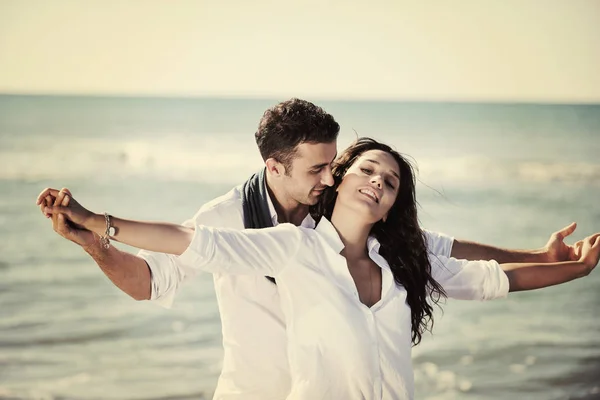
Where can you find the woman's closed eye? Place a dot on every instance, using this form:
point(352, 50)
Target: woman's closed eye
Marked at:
point(369, 171)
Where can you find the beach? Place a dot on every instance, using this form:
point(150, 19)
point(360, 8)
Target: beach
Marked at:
point(504, 174)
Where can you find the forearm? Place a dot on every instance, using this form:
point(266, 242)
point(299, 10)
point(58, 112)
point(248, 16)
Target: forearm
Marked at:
point(529, 276)
point(154, 236)
point(128, 272)
point(466, 250)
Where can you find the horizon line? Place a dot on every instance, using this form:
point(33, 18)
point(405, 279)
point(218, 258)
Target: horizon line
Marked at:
point(259, 97)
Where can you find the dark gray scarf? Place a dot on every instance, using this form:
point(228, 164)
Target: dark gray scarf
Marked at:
point(255, 204)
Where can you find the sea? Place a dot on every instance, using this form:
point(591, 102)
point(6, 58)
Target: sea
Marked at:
point(503, 174)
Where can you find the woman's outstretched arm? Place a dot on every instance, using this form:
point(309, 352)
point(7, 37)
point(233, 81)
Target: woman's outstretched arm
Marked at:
point(161, 237)
point(249, 252)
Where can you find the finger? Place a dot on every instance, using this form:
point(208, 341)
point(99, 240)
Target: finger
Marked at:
point(594, 236)
point(43, 203)
point(566, 231)
point(49, 202)
point(66, 200)
point(59, 198)
point(54, 210)
point(578, 247)
point(46, 192)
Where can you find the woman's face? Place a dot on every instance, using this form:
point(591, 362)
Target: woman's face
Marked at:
point(371, 184)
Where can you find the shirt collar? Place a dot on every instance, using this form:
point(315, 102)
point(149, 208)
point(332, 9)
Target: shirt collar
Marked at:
point(307, 222)
point(373, 244)
point(328, 232)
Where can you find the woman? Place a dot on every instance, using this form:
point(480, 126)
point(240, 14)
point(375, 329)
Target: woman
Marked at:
point(355, 291)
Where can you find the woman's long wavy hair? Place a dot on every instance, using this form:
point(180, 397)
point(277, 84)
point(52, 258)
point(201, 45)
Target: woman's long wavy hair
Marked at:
point(402, 240)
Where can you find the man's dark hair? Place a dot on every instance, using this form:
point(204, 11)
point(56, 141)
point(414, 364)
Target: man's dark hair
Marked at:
point(290, 123)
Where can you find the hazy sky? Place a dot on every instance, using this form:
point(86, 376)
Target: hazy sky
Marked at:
point(513, 50)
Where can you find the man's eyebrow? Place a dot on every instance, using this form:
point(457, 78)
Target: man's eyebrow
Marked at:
point(378, 163)
point(316, 166)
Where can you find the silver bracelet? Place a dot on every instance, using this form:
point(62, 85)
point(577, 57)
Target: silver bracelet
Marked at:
point(105, 239)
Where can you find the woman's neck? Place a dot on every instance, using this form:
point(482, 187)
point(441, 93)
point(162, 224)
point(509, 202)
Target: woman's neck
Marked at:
point(353, 233)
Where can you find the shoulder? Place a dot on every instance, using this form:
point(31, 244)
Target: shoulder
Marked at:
point(223, 211)
point(291, 233)
point(233, 198)
point(438, 243)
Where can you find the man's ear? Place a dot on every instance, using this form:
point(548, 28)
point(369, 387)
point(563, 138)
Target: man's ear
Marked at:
point(274, 167)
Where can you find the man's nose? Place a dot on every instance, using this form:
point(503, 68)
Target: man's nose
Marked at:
point(327, 177)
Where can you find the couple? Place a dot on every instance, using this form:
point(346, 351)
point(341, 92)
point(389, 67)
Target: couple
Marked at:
point(351, 295)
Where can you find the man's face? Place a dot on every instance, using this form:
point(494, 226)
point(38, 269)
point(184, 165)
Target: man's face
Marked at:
point(310, 172)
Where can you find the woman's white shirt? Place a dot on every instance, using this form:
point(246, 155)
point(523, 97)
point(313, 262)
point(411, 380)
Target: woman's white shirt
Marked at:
point(337, 346)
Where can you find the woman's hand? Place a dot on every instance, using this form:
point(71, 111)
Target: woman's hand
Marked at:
point(61, 225)
point(65, 204)
point(589, 250)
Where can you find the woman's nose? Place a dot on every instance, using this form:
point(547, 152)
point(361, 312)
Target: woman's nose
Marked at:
point(377, 181)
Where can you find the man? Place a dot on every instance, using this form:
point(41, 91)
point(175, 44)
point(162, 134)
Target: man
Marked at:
point(297, 141)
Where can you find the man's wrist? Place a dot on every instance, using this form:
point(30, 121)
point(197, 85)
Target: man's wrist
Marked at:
point(94, 248)
point(540, 255)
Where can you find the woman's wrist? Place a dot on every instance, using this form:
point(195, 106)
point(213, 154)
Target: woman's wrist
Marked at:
point(96, 223)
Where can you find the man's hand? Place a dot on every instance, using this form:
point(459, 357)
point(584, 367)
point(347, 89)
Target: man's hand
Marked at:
point(56, 204)
point(556, 250)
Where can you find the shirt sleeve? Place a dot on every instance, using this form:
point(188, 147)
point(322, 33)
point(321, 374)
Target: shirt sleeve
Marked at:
point(469, 280)
point(242, 252)
point(438, 243)
point(167, 271)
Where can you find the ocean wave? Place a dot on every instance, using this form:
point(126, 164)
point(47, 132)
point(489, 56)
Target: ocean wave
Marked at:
point(206, 160)
point(228, 160)
point(476, 170)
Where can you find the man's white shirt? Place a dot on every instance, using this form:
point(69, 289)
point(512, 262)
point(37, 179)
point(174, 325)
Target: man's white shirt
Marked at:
point(256, 363)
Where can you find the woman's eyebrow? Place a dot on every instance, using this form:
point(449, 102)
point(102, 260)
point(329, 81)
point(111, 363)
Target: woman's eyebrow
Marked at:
point(378, 163)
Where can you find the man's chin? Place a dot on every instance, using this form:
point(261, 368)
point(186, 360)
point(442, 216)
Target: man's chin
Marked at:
point(313, 198)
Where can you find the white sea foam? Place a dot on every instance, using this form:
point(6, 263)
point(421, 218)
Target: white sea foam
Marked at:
point(200, 160)
point(476, 169)
point(225, 159)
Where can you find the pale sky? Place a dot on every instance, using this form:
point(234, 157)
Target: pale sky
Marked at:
point(503, 50)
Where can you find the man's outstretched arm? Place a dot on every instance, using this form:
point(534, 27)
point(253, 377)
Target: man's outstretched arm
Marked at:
point(556, 250)
point(529, 276)
point(128, 272)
